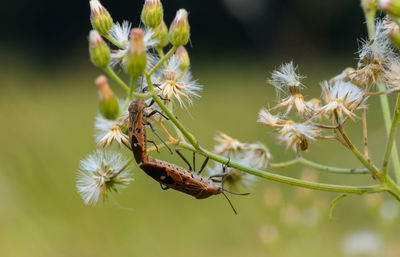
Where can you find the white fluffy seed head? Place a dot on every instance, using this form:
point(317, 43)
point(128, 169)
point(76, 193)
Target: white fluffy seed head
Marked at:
point(286, 78)
point(101, 173)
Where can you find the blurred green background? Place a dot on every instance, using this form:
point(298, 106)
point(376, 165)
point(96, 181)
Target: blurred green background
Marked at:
point(48, 102)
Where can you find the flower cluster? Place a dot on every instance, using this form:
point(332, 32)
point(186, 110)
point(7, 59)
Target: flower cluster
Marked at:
point(138, 52)
point(254, 155)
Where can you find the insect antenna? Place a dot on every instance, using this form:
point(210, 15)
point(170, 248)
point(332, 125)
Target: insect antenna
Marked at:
point(229, 201)
point(234, 193)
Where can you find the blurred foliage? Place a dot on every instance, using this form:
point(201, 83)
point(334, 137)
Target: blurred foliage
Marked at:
point(47, 127)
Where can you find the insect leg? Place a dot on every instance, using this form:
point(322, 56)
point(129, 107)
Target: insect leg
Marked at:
point(205, 161)
point(178, 151)
point(156, 111)
point(154, 131)
point(150, 141)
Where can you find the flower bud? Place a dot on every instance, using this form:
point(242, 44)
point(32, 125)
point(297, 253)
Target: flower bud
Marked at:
point(152, 13)
point(183, 57)
point(391, 6)
point(179, 31)
point(136, 61)
point(109, 106)
point(100, 18)
point(98, 49)
point(161, 35)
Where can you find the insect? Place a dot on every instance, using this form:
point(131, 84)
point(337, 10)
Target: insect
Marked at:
point(137, 130)
point(187, 181)
point(166, 173)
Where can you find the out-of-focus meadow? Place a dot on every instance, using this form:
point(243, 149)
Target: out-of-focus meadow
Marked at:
point(47, 128)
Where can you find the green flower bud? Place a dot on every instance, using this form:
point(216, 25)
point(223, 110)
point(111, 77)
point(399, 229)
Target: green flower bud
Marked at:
point(179, 31)
point(391, 6)
point(152, 13)
point(393, 33)
point(100, 18)
point(109, 106)
point(161, 34)
point(183, 56)
point(98, 49)
point(136, 60)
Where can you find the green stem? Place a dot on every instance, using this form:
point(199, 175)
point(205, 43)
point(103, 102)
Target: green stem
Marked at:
point(171, 116)
point(391, 139)
point(289, 180)
point(369, 7)
point(117, 79)
point(163, 59)
point(357, 153)
point(319, 166)
point(161, 54)
point(388, 124)
point(132, 88)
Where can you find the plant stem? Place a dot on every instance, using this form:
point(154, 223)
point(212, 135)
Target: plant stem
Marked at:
point(163, 59)
point(359, 156)
point(193, 141)
point(386, 117)
point(289, 180)
point(319, 166)
point(117, 79)
point(391, 138)
point(161, 54)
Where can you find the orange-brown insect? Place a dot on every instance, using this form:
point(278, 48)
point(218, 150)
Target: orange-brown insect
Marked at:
point(137, 130)
point(166, 173)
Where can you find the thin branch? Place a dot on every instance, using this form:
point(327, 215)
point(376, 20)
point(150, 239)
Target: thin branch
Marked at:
point(392, 135)
point(319, 166)
point(289, 180)
point(365, 134)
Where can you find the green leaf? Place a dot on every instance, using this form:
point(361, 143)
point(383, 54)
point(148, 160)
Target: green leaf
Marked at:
point(334, 202)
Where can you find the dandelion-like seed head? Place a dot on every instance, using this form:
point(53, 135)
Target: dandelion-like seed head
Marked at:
point(227, 145)
point(257, 155)
point(236, 179)
point(297, 135)
point(174, 83)
point(101, 173)
point(287, 77)
point(265, 116)
point(375, 56)
point(342, 97)
point(108, 131)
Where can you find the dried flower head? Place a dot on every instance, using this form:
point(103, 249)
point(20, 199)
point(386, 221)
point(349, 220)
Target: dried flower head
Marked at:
point(235, 179)
point(227, 145)
point(297, 135)
point(341, 97)
point(286, 77)
point(257, 155)
point(101, 173)
point(264, 116)
point(375, 56)
point(174, 84)
point(109, 130)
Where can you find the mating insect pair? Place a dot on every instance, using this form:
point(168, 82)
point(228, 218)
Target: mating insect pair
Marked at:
point(168, 174)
